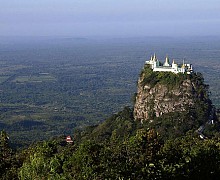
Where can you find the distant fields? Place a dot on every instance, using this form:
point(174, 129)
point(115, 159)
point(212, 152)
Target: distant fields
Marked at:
point(3, 78)
point(34, 78)
point(53, 87)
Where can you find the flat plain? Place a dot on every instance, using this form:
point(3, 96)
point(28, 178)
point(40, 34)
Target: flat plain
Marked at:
point(52, 86)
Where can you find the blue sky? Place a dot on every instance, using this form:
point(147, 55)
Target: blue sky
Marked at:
point(121, 18)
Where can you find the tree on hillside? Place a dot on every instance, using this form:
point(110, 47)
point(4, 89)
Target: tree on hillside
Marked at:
point(8, 164)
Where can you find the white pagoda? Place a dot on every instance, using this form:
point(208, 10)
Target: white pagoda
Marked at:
point(156, 65)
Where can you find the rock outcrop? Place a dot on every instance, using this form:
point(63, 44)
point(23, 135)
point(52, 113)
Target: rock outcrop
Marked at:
point(160, 93)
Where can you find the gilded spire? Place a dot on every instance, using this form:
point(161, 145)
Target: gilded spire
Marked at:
point(183, 66)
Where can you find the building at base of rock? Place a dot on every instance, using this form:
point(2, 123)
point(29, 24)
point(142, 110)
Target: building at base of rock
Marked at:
point(156, 65)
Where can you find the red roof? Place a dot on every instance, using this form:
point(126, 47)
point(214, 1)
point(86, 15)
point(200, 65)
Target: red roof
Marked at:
point(68, 139)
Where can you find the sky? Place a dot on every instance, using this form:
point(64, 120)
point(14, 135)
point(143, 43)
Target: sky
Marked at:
point(119, 18)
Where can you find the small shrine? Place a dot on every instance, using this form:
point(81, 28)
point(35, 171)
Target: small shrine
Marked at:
point(69, 139)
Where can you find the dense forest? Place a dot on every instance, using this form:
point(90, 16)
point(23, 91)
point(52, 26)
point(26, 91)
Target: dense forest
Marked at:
point(119, 148)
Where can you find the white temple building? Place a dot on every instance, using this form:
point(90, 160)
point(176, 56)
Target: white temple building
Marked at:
point(156, 65)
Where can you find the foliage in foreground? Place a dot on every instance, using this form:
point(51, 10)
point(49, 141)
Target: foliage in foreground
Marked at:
point(142, 156)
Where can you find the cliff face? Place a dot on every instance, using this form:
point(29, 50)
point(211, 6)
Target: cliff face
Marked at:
point(161, 93)
point(159, 100)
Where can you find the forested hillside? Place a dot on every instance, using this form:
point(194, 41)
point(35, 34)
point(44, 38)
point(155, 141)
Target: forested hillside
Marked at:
point(111, 153)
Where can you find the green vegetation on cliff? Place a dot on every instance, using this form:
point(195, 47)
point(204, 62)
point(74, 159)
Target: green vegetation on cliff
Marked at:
point(174, 103)
point(166, 78)
point(171, 80)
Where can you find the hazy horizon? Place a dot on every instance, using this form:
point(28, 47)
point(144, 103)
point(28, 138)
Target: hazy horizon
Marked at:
point(109, 18)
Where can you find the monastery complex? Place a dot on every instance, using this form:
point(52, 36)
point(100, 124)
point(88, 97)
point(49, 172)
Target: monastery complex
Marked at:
point(156, 65)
